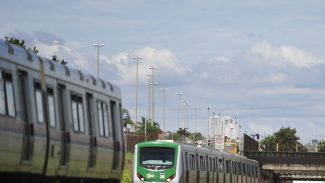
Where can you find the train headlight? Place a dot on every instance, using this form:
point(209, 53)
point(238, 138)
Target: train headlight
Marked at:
point(171, 178)
point(140, 177)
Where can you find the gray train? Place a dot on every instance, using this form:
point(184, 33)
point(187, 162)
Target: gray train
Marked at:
point(56, 123)
point(167, 161)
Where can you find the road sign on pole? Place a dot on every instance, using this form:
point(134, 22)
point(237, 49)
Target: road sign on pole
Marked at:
point(219, 142)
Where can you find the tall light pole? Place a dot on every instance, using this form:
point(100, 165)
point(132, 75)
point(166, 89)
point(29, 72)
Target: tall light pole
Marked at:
point(153, 102)
point(209, 121)
point(137, 86)
point(195, 115)
point(164, 90)
point(153, 93)
point(185, 112)
point(179, 101)
point(98, 46)
point(187, 108)
point(149, 96)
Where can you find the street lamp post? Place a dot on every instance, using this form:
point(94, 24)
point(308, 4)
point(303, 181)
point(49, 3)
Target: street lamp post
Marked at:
point(187, 108)
point(153, 102)
point(186, 104)
point(209, 121)
point(179, 100)
point(98, 46)
point(149, 96)
point(153, 93)
point(136, 91)
point(195, 108)
point(164, 90)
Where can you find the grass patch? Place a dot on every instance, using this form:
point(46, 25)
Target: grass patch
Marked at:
point(127, 172)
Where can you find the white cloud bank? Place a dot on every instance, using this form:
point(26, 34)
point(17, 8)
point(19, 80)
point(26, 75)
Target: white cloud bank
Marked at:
point(284, 56)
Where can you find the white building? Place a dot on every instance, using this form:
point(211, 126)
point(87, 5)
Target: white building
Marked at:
point(226, 126)
point(223, 128)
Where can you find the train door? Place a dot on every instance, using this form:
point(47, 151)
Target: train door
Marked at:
point(239, 172)
point(210, 173)
point(234, 172)
point(92, 135)
point(215, 169)
point(185, 167)
point(221, 170)
point(228, 171)
point(28, 138)
point(65, 137)
point(116, 143)
point(244, 173)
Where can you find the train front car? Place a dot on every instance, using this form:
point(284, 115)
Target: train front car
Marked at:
point(156, 161)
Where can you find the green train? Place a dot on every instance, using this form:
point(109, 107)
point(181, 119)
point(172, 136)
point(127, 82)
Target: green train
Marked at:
point(167, 161)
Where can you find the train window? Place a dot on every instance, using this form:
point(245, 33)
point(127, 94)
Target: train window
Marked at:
point(239, 168)
point(77, 114)
point(211, 165)
point(220, 165)
point(215, 166)
point(227, 166)
point(105, 119)
point(50, 100)
point(39, 103)
point(2, 96)
point(244, 169)
point(100, 118)
point(256, 171)
point(102, 110)
point(248, 171)
point(192, 162)
point(10, 95)
point(202, 163)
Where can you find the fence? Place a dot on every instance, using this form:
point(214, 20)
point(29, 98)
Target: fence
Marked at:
point(132, 138)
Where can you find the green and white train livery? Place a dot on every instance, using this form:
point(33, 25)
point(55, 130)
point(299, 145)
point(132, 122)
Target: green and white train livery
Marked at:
point(167, 161)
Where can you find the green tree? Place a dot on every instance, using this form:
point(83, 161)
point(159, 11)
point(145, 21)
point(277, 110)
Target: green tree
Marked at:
point(183, 133)
point(269, 143)
point(197, 136)
point(149, 125)
point(321, 146)
point(286, 139)
point(127, 118)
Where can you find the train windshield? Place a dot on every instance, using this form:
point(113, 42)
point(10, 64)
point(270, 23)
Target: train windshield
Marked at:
point(157, 157)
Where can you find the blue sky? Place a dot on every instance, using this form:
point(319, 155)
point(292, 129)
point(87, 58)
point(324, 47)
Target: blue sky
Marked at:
point(261, 61)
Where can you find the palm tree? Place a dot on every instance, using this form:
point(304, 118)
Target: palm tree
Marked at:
point(182, 132)
point(127, 119)
point(152, 127)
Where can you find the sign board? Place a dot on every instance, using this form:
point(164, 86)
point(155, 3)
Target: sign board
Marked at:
point(219, 142)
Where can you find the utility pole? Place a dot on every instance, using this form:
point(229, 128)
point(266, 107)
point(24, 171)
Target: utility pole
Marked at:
point(179, 101)
point(98, 46)
point(153, 93)
point(164, 90)
point(136, 91)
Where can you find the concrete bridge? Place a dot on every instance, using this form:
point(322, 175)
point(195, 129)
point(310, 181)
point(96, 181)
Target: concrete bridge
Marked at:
point(287, 166)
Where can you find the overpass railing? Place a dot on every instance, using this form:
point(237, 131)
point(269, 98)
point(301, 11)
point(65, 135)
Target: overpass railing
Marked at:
point(287, 157)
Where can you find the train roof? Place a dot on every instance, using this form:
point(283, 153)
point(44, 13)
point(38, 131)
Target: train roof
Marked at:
point(30, 60)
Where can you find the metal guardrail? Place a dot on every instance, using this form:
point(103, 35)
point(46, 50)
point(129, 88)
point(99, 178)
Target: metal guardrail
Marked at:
point(271, 157)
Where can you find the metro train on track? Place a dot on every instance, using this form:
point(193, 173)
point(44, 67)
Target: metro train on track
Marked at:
point(165, 161)
point(57, 124)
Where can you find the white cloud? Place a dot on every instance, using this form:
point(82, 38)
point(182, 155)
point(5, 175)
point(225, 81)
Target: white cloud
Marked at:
point(258, 127)
point(164, 59)
point(221, 59)
point(284, 56)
